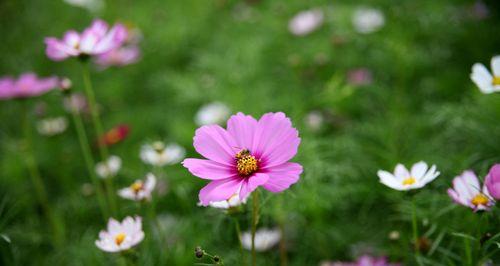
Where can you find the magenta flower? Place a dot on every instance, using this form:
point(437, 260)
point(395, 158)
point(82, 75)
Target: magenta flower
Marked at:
point(365, 260)
point(467, 191)
point(94, 40)
point(120, 56)
point(27, 85)
point(247, 155)
point(492, 181)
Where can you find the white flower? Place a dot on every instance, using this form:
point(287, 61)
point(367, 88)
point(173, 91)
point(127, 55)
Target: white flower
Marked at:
point(314, 120)
point(233, 201)
point(158, 154)
point(212, 113)
point(402, 179)
point(139, 190)
point(306, 22)
point(467, 192)
point(109, 168)
point(368, 20)
point(91, 5)
point(52, 126)
point(121, 236)
point(265, 239)
point(486, 82)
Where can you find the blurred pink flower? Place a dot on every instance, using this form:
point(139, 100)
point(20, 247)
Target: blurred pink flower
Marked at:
point(492, 181)
point(247, 155)
point(27, 85)
point(467, 192)
point(364, 260)
point(76, 101)
point(120, 56)
point(306, 22)
point(360, 76)
point(94, 40)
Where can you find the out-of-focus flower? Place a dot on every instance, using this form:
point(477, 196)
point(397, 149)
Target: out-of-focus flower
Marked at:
point(27, 85)
point(479, 10)
point(65, 84)
point(109, 168)
point(114, 135)
point(402, 179)
point(368, 20)
point(314, 120)
point(247, 155)
point(365, 260)
point(233, 201)
point(492, 181)
point(95, 40)
point(52, 126)
point(467, 192)
point(306, 22)
point(75, 101)
point(265, 239)
point(121, 236)
point(394, 235)
point(139, 190)
point(487, 82)
point(126, 54)
point(159, 154)
point(93, 6)
point(212, 113)
point(360, 76)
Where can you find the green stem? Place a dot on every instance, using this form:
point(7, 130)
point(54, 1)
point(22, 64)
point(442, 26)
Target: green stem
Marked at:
point(414, 227)
point(98, 132)
point(255, 221)
point(89, 161)
point(36, 179)
point(468, 253)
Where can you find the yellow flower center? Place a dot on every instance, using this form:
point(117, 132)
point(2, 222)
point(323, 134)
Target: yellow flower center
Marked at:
point(480, 199)
point(246, 163)
point(409, 181)
point(158, 146)
point(496, 81)
point(137, 186)
point(119, 238)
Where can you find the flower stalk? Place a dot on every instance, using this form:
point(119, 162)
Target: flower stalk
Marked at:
point(255, 221)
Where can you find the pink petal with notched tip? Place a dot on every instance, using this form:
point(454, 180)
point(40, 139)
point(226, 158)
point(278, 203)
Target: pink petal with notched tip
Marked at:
point(242, 128)
point(281, 177)
point(218, 190)
point(214, 143)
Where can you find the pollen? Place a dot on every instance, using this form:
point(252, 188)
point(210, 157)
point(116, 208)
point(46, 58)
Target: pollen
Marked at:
point(246, 163)
point(119, 238)
point(496, 81)
point(137, 186)
point(409, 181)
point(480, 199)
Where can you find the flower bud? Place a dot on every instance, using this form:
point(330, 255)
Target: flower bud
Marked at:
point(198, 252)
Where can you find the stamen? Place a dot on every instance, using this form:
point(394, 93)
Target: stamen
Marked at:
point(409, 181)
point(137, 186)
point(496, 81)
point(158, 146)
point(119, 238)
point(480, 199)
point(246, 163)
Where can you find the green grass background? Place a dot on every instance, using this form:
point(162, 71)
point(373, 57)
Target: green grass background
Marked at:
point(421, 106)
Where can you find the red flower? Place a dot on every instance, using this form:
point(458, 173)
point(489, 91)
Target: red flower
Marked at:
point(114, 135)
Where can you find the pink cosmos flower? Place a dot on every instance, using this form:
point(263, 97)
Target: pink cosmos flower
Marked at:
point(492, 181)
point(120, 56)
point(247, 155)
point(467, 192)
point(94, 40)
point(365, 260)
point(27, 85)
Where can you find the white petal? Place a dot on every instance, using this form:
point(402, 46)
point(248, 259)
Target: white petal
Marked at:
point(482, 77)
point(400, 172)
point(418, 170)
point(495, 65)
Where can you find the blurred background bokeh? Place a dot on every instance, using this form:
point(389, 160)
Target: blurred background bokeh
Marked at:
point(362, 99)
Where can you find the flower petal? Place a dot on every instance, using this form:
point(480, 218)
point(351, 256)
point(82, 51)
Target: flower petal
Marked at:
point(495, 65)
point(418, 170)
point(218, 190)
point(400, 172)
point(282, 176)
point(208, 169)
point(482, 77)
point(242, 128)
point(214, 143)
point(251, 183)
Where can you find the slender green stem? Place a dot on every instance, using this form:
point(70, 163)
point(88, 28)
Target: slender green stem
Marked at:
point(36, 179)
point(468, 253)
point(96, 120)
point(89, 161)
point(414, 226)
point(238, 233)
point(255, 221)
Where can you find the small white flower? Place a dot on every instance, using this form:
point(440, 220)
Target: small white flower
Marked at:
point(368, 20)
point(91, 5)
point(467, 192)
point(158, 154)
point(265, 239)
point(314, 120)
point(233, 201)
point(121, 236)
point(52, 126)
point(402, 179)
point(139, 190)
point(487, 82)
point(212, 113)
point(109, 168)
point(306, 22)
